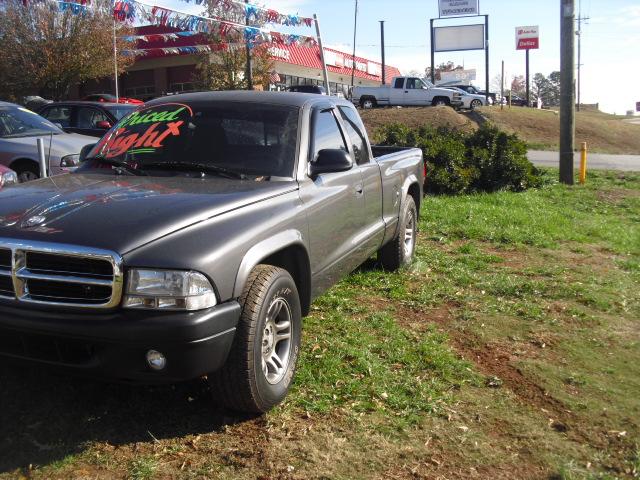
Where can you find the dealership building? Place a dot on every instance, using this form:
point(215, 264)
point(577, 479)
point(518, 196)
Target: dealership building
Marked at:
point(159, 71)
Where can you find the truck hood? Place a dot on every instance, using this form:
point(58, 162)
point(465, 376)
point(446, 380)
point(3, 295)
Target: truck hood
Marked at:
point(121, 213)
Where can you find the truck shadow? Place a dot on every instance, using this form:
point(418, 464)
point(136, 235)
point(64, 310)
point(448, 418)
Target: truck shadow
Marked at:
point(46, 417)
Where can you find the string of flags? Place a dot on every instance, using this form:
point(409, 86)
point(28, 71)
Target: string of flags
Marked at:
point(258, 14)
point(165, 37)
point(132, 10)
point(141, 52)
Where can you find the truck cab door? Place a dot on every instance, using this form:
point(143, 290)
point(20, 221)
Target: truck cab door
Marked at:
point(396, 93)
point(415, 93)
point(335, 204)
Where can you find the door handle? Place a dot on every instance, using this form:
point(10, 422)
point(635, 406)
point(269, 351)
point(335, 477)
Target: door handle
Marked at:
point(359, 189)
point(406, 91)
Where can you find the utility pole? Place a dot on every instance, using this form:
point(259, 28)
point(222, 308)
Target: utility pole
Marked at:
point(567, 90)
point(502, 87)
point(355, 29)
point(384, 73)
point(249, 68)
point(579, 35)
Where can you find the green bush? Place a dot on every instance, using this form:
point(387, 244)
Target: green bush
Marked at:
point(484, 161)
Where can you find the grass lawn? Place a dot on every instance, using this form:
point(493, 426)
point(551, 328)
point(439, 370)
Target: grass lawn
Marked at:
point(509, 349)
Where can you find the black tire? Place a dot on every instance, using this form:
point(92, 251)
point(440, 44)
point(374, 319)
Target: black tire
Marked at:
point(26, 170)
point(368, 102)
point(438, 101)
point(475, 104)
point(241, 384)
point(397, 253)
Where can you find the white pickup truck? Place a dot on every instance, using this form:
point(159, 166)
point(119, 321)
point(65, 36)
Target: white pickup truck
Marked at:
point(405, 91)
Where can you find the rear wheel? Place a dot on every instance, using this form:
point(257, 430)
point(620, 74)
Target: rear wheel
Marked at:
point(399, 251)
point(263, 357)
point(368, 102)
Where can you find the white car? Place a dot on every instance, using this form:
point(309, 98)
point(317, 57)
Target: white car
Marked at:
point(470, 100)
point(19, 130)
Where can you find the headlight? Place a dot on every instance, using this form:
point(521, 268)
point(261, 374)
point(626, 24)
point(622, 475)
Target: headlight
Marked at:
point(70, 160)
point(168, 290)
point(8, 178)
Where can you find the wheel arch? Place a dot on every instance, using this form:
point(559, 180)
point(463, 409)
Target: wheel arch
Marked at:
point(22, 160)
point(285, 250)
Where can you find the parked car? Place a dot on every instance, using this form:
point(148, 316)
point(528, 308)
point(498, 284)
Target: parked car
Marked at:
point(405, 91)
point(34, 102)
point(317, 89)
point(87, 118)
point(515, 100)
point(107, 97)
point(19, 130)
point(469, 100)
point(195, 236)
point(7, 177)
point(473, 90)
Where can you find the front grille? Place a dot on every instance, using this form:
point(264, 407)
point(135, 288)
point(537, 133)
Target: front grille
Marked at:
point(5, 259)
point(45, 348)
point(60, 275)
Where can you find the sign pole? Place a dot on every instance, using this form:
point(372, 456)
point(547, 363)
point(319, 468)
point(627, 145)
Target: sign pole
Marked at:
point(486, 58)
point(527, 75)
point(384, 73)
point(502, 87)
point(355, 29)
point(433, 73)
point(325, 73)
point(567, 90)
point(249, 68)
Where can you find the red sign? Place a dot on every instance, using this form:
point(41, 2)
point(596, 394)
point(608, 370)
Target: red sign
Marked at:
point(527, 38)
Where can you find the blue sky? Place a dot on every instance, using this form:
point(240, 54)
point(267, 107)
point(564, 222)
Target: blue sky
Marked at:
point(610, 40)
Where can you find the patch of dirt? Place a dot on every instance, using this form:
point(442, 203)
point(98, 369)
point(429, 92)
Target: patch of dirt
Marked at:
point(415, 117)
point(616, 196)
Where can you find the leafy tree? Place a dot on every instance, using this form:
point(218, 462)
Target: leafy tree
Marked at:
point(547, 88)
point(44, 50)
point(519, 86)
point(443, 67)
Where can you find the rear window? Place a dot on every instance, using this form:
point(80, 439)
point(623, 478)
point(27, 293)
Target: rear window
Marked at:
point(253, 139)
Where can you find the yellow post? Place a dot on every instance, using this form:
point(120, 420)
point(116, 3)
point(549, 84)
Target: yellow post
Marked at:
point(583, 163)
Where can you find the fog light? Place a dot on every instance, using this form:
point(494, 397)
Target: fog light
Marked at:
point(156, 360)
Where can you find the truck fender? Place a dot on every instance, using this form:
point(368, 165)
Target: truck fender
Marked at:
point(410, 180)
point(262, 250)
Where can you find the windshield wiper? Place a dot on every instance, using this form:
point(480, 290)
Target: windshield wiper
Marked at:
point(118, 164)
point(197, 167)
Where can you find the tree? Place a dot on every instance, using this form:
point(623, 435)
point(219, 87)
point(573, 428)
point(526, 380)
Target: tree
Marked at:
point(44, 50)
point(226, 68)
point(519, 86)
point(443, 67)
point(547, 88)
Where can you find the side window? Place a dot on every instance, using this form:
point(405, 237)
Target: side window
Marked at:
point(59, 115)
point(355, 129)
point(398, 83)
point(414, 84)
point(89, 117)
point(326, 133)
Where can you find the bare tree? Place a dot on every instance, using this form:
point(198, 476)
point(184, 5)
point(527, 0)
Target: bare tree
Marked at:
point(44, 50)
point(443, 67)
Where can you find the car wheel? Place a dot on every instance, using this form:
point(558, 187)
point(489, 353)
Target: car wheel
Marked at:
point(440, 102)
point(262, 362)
point(26, 171)
point(475, 104)
point(368, 103)
point(399, 251)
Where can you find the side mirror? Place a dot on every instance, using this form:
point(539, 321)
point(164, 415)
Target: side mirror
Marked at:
point(104, 125)
point(85, 151)
point(330, 160)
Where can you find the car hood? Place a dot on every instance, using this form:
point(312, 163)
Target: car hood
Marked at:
point(61, 144)
point(121, 213)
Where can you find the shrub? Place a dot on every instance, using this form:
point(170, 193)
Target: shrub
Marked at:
point(484, 161)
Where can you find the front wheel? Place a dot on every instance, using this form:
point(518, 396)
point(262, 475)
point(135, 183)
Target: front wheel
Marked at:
point(399, 251)
point(260, 367)
point(475, 104)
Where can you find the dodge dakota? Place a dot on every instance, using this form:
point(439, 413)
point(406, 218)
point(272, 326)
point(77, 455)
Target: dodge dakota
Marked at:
point(193, 238)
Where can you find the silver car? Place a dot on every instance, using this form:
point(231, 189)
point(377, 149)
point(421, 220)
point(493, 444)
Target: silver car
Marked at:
point(19, 130)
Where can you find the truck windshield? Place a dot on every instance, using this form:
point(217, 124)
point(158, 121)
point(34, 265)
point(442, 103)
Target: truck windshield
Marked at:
point(250, 139)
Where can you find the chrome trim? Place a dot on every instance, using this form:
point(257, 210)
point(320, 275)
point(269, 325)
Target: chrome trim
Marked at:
point(20, 274)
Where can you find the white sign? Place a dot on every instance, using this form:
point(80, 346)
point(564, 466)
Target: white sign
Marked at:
point(279, 53)
point(373, 69)
point(458, 76)
point(462, 37)
point(449, 8)
point(527, 38)
point(361, 66)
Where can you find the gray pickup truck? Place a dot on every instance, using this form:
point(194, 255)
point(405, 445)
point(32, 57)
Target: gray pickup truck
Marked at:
point(194, 236)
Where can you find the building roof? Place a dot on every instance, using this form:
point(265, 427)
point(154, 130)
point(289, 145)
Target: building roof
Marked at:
point(337, 61)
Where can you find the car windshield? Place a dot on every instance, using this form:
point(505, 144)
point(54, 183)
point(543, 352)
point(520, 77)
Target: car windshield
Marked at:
point(249, 139)
point(20, 122)
point(120, 111)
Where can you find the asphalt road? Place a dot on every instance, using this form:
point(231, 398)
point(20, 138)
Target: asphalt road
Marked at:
point(596, 161)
